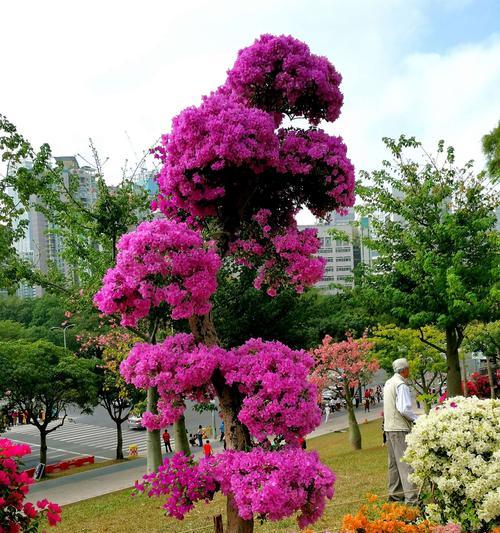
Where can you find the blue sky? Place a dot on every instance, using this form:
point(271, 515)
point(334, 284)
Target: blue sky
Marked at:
point(118, 71)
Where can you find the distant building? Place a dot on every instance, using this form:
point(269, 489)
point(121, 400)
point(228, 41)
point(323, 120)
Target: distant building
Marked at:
point(342, 255)
point(41, 245)
point(146, 179)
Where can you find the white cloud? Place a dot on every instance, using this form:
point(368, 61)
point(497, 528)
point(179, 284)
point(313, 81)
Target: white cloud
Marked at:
point(71, 70)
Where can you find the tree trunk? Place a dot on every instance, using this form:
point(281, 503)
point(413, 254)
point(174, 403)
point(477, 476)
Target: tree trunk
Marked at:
point(119, 439)
point(453, 382)
point(354, 433)
point(43, 446)
point(490, 377)
point(236, 434)
point(154, 457)
point(180, 436)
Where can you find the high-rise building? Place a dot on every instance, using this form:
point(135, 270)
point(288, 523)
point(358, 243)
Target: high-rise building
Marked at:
point(342, 255)
point(41, 244)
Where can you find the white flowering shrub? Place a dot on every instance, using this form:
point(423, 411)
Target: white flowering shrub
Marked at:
point(455, 450)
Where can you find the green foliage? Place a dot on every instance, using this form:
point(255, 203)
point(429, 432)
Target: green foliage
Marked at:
point(300, 321)
point(480, 337)
point(438, 250)
point(427, 364)
point(491, 149)
point(89, 233)
point(39, 375)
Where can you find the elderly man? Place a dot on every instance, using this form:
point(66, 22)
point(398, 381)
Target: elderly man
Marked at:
point(398, 420)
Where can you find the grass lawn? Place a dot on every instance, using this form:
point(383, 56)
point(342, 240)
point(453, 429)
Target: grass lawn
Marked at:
point(358, 472)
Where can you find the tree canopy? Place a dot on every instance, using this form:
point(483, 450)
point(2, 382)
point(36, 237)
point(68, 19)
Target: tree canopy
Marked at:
point(433, 227)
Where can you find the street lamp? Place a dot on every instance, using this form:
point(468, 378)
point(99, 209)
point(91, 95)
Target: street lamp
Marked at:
point(67, 326)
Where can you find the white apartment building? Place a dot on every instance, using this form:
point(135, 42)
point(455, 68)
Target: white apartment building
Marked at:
point(341, 255)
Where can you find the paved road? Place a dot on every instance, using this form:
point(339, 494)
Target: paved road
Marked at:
point(91, 435)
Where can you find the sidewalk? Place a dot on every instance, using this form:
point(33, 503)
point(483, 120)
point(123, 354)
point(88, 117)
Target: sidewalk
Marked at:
point(77, 487)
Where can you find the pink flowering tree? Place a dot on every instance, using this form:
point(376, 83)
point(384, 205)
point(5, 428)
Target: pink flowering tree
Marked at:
point(347, 364)
point(236, 169)
point(15, 513)
point(164, 269)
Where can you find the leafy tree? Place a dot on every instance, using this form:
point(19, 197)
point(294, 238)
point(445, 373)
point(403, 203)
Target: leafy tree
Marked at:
point(346, 364)
point(114, 394)
point(491, 149)
point(438, 251)
point(39, 377)
point(427, 365)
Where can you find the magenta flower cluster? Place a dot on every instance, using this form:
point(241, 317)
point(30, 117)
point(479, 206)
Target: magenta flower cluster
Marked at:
point(16, 515)
point(264, 484)
point(281, 74)
point(319, 159)
point(205, 143)
point(162, 261)
point(289, 252)
point(277, 396)
point(278, 399)
point(226, 159)
point(179, 369)
point(182, 481)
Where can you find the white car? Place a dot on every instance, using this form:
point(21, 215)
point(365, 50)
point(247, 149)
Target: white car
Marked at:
point(135, 422)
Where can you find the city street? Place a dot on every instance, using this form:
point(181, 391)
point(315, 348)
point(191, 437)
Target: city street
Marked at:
point(92, 435)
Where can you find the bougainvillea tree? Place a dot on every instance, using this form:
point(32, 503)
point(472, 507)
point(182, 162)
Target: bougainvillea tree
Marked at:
point(347, 363)
point(163, 269)
point(236, 170)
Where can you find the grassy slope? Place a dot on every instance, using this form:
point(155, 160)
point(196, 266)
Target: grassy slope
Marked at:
point(358, 472)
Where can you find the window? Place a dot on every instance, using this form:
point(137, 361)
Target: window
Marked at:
point(341, 277)
point(341, 249)
point(325, 250)
point(342, 259)
point(328, 241)
point(329, 278)
point(329, 259)
point(329, 269)
point(341, 243)
point(343, 269)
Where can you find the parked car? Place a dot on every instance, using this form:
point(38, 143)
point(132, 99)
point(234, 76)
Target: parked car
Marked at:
point(135, 422)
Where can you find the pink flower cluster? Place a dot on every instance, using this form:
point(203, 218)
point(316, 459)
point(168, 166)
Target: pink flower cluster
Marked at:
point(205, 144)
point(264, 484)
point(278, 399)
point(182, 481)
point(321, 161)
point(225, 159)
point(280, 75)
point(178, 368)
point(349, 359)
point(15, 514)
point(161, 261)
point(289, 252)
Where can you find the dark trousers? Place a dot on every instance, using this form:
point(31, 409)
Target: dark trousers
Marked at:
point(168, 447)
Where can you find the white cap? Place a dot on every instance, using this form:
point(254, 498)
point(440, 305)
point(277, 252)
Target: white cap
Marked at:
point(400, 364)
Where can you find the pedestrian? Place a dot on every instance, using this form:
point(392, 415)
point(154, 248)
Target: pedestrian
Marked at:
point(327, 412)
point(199, 436)
point(357, 401)
point(302, 443)
point(222, 431)
point(207, 449)
point(367, 404)
point(398, 421)
point(166, 440)
point(192, 439)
